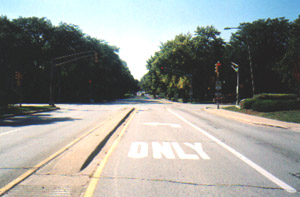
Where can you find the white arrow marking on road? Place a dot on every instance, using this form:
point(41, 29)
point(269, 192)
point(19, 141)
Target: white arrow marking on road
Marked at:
point(162, 124)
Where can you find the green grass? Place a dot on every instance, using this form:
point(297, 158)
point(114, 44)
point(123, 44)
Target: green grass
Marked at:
point(16, 110)
point(287, 116)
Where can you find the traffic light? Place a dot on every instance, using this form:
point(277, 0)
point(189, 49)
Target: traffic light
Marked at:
point(96, 57)
point(217, 66)
point(18, 77)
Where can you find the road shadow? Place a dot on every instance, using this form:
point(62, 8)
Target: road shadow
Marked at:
point(135, 101)
point(34, 119)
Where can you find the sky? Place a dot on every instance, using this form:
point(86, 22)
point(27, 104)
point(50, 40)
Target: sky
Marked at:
point(138, 27)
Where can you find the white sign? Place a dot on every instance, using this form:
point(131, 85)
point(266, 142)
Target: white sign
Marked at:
point(162, 124)
point(139, 150)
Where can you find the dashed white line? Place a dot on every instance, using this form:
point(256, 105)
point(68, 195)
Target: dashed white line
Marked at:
point(259, 169)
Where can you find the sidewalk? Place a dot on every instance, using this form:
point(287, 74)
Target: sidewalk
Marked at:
point(254, 119)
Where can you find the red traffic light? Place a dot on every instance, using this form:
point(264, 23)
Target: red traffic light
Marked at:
point(161, 68)
point(218, 64)
point(90, 81)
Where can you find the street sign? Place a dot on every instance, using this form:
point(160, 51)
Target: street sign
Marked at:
point(218, 85)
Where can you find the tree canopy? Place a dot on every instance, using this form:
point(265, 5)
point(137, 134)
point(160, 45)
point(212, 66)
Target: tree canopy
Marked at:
point(28, 45)
point(272, 45)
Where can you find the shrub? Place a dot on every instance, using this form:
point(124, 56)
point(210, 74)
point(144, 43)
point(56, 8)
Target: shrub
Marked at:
point(273, 96)
point(247, 103)
point(275, 105)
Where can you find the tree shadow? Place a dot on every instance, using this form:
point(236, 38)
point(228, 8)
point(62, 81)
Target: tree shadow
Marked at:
point(34, 119)
point(135, 101)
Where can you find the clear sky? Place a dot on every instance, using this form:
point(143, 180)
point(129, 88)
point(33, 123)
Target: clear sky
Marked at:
point(138, 27)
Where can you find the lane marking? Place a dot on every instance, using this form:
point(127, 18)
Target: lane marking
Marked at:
point(162, 149)
point(198, 148)
point(8, 132)
point(29, 172)
point(89, 192)
point(139, 150)
point(181, 154)
point(162, 124)
point(259, 169)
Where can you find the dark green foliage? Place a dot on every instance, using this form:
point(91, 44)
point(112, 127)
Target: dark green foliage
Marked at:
point(27, 45)
point(275, 105)
point(267, 102)
point(274, 46)
point(270, 96)
point(247, 103)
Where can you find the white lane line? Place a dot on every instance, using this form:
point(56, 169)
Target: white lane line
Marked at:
point(8, 132)
point(262, 171)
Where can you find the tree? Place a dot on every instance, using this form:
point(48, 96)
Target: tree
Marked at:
point(183, 57)
point(267, 41)
point(28, 45)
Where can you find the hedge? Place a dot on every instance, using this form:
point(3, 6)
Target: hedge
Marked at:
point(268, 102)
point(247, 103)
point(273, 96)
point(275, 105)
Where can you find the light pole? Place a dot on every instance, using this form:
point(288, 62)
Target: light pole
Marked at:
point(236, 69)
point(250, 60)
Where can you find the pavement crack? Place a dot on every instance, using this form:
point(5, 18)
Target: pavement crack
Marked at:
point(193, 184)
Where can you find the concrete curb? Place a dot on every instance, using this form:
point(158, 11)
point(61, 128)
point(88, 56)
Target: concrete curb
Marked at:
point(67, 163)
point(254, 119)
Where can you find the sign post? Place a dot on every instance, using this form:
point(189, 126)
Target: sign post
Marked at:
point(218, 84)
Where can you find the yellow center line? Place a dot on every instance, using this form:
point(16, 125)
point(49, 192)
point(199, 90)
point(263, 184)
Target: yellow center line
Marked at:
point(22, 177)
point(96, 176)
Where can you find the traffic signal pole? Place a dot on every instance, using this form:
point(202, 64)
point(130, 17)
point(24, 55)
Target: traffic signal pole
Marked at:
point(218, 84)
point(59, 61)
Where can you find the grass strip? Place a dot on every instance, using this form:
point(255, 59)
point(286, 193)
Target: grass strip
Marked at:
point(287, 116)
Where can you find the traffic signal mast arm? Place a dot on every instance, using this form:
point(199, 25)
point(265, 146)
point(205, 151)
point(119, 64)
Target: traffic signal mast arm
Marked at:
point(74, 57)
point(235, 66)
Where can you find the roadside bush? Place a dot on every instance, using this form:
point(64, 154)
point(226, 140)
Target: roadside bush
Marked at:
point(247, 103)
point(273, 96)
point(275, 105)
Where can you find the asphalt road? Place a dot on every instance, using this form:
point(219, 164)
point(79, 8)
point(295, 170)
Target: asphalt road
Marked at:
point(27, 140)
point(166, 150)
point(181, 150)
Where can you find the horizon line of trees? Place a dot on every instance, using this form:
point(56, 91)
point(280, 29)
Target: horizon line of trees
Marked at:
point(274, 46)
point(27, 46)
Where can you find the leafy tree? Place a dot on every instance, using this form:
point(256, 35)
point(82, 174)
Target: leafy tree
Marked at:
point(29, 45)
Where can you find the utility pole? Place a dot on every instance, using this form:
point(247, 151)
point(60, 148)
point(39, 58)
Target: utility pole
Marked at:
point(249, 55)
point(236, 69)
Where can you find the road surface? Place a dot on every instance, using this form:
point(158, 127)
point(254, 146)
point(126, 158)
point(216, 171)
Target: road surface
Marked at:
point(166, 150)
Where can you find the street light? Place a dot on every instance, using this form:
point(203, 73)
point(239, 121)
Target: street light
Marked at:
point(249, 53)
point(236, 69)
